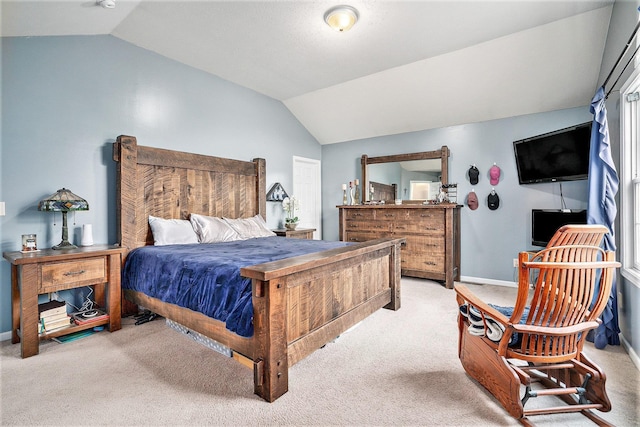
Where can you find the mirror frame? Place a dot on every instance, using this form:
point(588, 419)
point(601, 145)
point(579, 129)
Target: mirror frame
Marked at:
point(442, 154)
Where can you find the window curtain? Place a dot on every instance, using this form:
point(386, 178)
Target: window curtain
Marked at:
point(601, 209)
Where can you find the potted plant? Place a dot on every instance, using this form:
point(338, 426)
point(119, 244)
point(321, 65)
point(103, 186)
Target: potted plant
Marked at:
point(290, 206)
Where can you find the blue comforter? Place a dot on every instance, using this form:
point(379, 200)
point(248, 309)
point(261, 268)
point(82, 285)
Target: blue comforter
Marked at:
point(206, 277)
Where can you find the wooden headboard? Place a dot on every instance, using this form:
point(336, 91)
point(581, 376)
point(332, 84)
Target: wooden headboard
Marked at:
point(173, 184)
point(386, 192)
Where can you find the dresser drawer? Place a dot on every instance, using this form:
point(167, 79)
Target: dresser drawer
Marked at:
point(365, 236)
point(371, 226)
point(425, 244)
point(387, 214)
point(71, 273)
point(359, 214)
point(422, 261)
point(435, 227)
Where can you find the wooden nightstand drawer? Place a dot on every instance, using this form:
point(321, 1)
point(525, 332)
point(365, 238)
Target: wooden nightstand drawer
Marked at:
point(72, 273)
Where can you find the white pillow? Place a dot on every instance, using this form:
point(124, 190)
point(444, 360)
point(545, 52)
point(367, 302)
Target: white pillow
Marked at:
point(212, 230)
point(249, 228)
point(171, 231)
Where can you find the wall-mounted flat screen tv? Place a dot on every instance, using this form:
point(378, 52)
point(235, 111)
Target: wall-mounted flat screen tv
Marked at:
point(562, 155)
point(545, 222)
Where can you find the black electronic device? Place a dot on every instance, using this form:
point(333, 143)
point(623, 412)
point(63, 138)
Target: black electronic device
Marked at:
point(545, 222)
point(562, 155)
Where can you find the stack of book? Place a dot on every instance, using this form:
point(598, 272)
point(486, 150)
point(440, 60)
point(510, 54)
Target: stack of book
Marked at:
point(53, 315)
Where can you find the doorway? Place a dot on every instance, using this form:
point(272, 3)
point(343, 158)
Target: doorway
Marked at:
point(306, 187)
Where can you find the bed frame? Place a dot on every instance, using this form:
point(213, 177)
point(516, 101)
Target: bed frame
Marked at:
point(300, 303)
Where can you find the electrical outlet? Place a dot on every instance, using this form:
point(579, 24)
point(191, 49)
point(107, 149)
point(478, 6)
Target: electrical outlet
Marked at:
point(515, 262)
point(620, 301)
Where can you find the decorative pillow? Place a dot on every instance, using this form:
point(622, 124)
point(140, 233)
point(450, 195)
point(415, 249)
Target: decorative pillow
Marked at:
point(171, 231)
point(249, 228)
point(211, 229)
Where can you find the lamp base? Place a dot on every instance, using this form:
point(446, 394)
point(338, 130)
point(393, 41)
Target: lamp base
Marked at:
point(64, 245)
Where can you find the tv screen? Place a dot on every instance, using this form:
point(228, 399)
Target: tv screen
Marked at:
point(562, 155)
point(545, 222)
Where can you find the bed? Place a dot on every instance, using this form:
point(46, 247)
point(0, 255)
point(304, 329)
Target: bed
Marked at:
point(299, 303)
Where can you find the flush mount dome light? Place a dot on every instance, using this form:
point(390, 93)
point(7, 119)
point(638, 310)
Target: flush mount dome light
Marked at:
point(341, 18)
point(107, 4)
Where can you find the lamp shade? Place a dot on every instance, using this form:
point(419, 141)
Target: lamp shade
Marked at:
point(63, 201)
point(341, 18)
point(276, 193)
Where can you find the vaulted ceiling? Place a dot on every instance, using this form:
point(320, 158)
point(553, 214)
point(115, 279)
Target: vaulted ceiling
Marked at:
point(405, 66)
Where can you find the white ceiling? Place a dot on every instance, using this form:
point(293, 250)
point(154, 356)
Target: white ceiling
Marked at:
point(405, 66)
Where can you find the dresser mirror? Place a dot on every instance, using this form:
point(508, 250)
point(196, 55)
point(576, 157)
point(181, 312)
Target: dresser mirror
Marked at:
point(410, 177)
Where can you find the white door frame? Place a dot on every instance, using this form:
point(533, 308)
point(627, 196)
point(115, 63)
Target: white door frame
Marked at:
point(307, 188)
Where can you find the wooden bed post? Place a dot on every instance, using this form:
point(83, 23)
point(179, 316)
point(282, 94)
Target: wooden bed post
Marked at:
point(261, 193)
point(125, 153)
point(271, 363)
point(395, 269)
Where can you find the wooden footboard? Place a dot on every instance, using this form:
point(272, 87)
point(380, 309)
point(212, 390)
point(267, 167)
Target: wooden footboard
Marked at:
point(300, 304)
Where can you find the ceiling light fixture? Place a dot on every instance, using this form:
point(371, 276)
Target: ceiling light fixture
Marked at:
point(341, 18)
point(107, 4)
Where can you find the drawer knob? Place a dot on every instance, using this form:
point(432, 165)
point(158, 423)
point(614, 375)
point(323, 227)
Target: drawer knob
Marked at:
point(74, 273)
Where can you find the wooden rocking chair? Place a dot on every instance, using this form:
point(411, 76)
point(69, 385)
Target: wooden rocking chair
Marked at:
point(538, 346)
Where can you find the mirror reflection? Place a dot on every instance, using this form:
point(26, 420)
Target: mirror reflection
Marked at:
point(409, 177)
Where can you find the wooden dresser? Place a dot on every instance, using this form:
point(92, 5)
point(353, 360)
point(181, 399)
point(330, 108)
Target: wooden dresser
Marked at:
point(432, 232)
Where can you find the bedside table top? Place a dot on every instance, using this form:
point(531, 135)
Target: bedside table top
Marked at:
point(47, 255)
point(299, 233)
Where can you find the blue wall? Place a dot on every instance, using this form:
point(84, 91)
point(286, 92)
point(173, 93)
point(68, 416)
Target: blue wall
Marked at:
point(66, 99)
point(490, 239)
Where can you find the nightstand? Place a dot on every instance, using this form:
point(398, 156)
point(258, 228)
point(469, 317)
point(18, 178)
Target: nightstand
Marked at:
point(50, 270)
point(298, 233)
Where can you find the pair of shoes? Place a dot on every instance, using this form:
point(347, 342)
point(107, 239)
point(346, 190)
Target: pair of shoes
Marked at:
point(480, 325)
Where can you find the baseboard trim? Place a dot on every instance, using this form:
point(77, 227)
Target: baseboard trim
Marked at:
point(5, 336)
point(632, 354)
point(483, 281)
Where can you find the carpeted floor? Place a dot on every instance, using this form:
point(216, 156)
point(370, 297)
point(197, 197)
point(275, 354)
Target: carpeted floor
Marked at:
point(395, 368)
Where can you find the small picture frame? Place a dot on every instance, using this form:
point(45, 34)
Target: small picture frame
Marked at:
point(29, 243)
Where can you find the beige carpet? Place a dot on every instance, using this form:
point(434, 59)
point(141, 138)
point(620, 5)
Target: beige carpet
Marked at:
point(395, 368)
